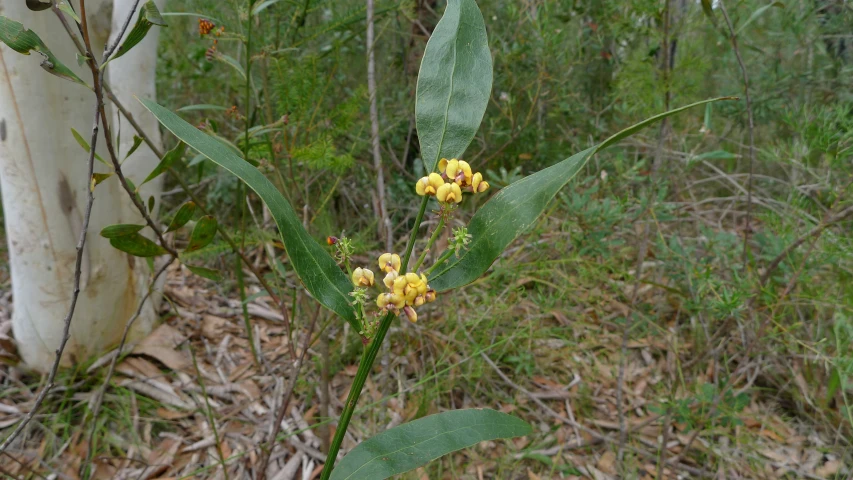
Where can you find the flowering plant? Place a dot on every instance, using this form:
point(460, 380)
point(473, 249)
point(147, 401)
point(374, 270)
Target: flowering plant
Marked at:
point(454, 85)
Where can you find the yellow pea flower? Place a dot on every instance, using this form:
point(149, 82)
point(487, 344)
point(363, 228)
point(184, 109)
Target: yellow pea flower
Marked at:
point(451, 169)
point(449, 192)
point(389, 279)
point(389, 262)
point(413, 279)
point(390, 301)
point(400, 285)
point(477, 183)
point(464, 174)
point(429, 185)
point(442, 165)
point(362, 277)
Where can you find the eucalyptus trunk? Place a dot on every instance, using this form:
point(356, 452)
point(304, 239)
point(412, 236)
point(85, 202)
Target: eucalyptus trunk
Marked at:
point(43, 180)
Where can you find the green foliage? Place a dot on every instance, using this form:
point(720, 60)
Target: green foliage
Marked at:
point(318, 271)
point(24, 41)
point(148, 16)
point(454, 83)
point(417, 443)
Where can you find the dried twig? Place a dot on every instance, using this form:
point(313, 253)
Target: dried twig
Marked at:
point(285, 401)
point(384, 221)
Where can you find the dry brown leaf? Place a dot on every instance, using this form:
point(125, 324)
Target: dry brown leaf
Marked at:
point(828, 469)
point(607, 463)
point(161, 345)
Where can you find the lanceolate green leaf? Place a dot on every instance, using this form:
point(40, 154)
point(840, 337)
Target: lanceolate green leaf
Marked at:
point(23, 41)
point(120, 230)
point(515, 208)
point(316, 268)
point(137, 245)
point(168, 159)
point(185, 213)
point(416, 443)
point(205, 272)
point(203, 233)
point(454, 83)
point(148, 16)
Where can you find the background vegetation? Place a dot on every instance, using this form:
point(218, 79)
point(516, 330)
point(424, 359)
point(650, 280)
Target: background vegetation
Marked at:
point(641, 325)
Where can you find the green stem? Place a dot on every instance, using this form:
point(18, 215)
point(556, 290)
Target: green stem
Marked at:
point(361, 375)
point(438, 262)
point(366, 364)
point(414, 234)
point(432, 239)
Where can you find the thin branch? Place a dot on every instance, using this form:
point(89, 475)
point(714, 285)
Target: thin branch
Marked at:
point(750, 126)
point(384, 221)
point(81, 244)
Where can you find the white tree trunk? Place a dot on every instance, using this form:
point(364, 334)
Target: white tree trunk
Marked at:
point(43, 182)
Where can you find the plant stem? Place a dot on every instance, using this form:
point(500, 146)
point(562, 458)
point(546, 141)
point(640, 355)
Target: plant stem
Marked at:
point(438, 262)
point(364, 369)
point(411, 244)
point(432, 239)
point(367, 360)
point(241, 192)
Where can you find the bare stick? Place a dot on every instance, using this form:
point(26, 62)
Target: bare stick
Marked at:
point(81, 244)
point(285, 400)
point(384, 221)
point(750, 126)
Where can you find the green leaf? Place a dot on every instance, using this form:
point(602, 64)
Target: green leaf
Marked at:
point(168, 159)
point(202, 107)
point(232, 62)
point(23, 41)
point(151, 204)
point(137, 141)
point(322, 277)
point(757, 13)
point(203, 233)
point(120, 230)
point(65, 7)
point(454, 83)
point(516, 207)
point(416, 443)
point(263, 6)
point(185, 213)
point(100, 177)
point(207, 273)
point(148, 16)
point(137, 245)
point(83, 143)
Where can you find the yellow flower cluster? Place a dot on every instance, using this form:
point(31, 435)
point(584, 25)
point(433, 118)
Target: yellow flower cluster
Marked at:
point(456, 176)
point(405, 290)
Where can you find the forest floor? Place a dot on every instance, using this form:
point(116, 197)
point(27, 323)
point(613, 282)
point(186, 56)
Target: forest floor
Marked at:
point(512, 342)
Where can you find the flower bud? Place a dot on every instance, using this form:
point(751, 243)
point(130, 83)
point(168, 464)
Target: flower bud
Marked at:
point(430, 295)
point(331, 240)
point(362, 277)
point(389, 262)
point(411, 314)
point(419, 300)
